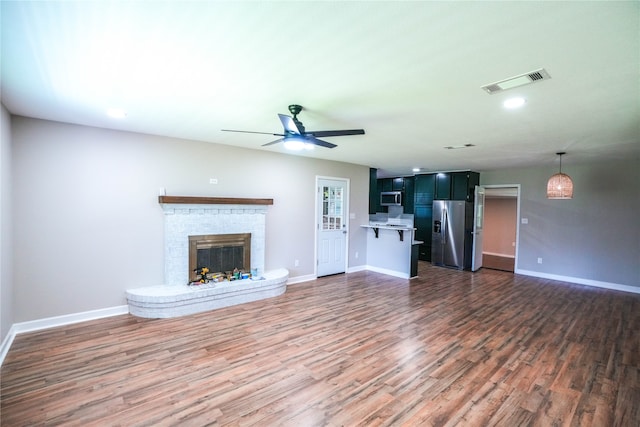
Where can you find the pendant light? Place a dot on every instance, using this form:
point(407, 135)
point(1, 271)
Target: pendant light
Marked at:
point(560, 185)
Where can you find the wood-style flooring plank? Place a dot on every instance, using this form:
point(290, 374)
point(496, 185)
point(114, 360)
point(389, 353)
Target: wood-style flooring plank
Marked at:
point(450, 348)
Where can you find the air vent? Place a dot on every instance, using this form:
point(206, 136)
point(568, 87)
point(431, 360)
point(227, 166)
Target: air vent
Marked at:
point(521, 80)
point(456, 147)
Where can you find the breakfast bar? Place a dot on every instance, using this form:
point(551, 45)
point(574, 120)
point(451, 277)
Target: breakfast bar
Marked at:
point(391, 247)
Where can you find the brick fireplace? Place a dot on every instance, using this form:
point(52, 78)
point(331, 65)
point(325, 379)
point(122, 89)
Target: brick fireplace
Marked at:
point(214, 225)
point(184, 221)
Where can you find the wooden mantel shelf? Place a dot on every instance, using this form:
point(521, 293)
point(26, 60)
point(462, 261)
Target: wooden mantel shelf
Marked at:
point(190, 200)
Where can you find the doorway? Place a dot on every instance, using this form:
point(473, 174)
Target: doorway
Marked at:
point(331, 225)
point(501, 227)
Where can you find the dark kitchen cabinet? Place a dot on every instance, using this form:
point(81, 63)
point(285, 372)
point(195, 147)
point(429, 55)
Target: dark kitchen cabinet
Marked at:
point(463, 185)
point(376, 186)
point(422, 219)
point(442, 186)
point(456, 185)
point(397, 184)
point(408, 195)
point(403, 184)
point(385, 184)
point(424, 189)
point(424, 192)
point(414, 261)
point(374, 193)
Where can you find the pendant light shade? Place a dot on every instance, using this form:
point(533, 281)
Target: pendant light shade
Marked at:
point(560, 185)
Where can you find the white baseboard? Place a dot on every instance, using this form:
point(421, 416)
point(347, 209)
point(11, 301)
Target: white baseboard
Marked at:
point(357, 268)
point(309, 277)
point(6, 344)
point(497, 254)
point(300, 279)
point(388, 272)
point(68, 319)
point(580, 281)
point(52, 322)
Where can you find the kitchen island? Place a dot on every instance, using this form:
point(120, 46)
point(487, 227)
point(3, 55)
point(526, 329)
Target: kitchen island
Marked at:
point(391, 249)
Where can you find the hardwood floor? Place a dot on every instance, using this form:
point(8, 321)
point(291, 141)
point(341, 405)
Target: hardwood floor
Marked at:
point(449, 348)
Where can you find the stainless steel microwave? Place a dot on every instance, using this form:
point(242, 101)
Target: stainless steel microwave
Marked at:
point(391, 198)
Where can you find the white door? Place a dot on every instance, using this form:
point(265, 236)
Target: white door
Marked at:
point(332, 226)
point(478, 224)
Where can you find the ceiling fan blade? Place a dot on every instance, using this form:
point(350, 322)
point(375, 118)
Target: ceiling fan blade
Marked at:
point(290, 125)
point(250, 131)
point(327, 133)
point(273, 142)
point(315, 141)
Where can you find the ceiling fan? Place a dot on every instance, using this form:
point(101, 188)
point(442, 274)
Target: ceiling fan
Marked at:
point(295, 132)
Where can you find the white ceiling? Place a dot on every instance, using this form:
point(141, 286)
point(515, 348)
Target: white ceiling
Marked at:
point(409, 73)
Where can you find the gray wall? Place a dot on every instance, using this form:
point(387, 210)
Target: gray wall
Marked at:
point(88, 224)
point(595, 236)
point(6, 263)
point(82, 205)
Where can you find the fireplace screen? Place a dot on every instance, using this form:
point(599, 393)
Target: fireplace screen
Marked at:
point(219, 253)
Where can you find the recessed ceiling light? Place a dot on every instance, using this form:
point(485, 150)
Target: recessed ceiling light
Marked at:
point(514, 102)
point(116, 113)
point(416, 169)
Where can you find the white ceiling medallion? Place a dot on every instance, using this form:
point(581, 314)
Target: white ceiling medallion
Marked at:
point(521, 80)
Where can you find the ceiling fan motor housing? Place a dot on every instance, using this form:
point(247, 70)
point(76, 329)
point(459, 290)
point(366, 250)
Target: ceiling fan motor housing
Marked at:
point(295, 110)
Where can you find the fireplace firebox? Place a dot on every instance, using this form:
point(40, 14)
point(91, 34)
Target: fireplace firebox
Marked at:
point(219, 253)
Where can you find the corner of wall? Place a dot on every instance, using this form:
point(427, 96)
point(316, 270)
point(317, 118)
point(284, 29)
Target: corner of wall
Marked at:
point(6, 226)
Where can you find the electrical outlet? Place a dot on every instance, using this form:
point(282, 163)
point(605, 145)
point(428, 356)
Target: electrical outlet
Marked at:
point(357, 255)
point(296, 263)
point(539, 260)
point(524, 220)
point(213, 180)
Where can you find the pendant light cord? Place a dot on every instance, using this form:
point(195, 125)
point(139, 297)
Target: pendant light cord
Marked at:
point(560, 163)
point(560, 154)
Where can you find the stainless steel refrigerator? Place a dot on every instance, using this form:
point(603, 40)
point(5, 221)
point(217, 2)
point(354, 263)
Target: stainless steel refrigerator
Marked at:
point(452, 234)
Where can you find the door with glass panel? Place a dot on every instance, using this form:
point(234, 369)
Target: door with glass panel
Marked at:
point(331, 226)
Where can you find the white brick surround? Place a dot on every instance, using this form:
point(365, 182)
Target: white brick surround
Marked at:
point(182, 221)
point(176, 297)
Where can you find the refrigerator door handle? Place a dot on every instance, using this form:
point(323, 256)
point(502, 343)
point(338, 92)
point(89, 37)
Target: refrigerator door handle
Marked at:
point(444, 226)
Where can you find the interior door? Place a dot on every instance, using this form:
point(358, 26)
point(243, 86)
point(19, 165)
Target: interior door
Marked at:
point(332, 226)
point(478, 224)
